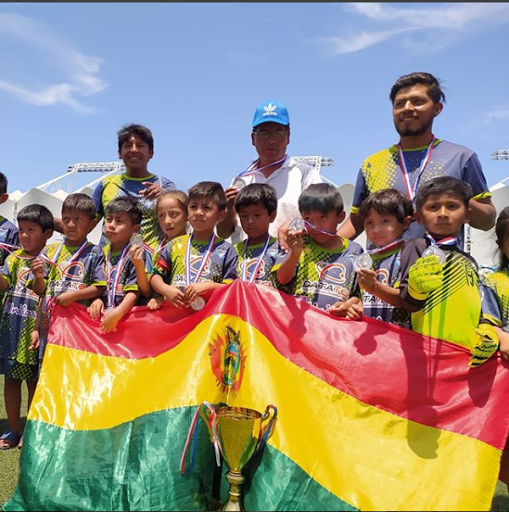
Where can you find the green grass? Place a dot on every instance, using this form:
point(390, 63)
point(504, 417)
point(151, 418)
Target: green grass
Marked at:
point(9, 465)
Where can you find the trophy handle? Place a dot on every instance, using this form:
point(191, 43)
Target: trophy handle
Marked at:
point(269, 416)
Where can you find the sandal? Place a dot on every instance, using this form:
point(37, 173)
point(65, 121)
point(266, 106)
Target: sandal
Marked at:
point(10, 437)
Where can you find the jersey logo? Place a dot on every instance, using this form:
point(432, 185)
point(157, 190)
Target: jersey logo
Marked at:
point(251, 267)
point(331, 272)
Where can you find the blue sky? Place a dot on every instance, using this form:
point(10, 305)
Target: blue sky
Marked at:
point(72, 74)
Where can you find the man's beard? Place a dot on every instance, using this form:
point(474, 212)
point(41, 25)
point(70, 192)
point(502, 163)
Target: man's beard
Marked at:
point(406, 131)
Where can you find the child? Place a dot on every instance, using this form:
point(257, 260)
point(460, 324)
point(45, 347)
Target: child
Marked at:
point(122, 221)
point(386, 215)
point(18, 317)
point(256, 206)
point(8, 231)
point(171, 212)
point(495, 287)
point(444, 299)
point(319, 267)
point(191, 266)
point(74, 267)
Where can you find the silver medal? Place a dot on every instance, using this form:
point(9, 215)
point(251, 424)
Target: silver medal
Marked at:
point(435, 250)
point(239, 183)
point(297, 225)
point(136, 239)
point(361, 261)
point(198, 303)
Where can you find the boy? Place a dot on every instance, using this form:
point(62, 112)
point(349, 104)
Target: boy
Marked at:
point(256, 206)
point(17, 318)
point(74, 267)
point(386, 215)
point(193, 265)
point(122, 221)
point(444, 299)
point(8, 231)
point(319, 267)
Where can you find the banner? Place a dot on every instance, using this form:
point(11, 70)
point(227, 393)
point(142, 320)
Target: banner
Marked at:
point(371, 416)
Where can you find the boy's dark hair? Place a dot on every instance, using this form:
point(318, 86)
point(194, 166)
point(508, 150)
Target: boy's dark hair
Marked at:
point(38, 214)
point(125, 133)
point(387, 202)
point(419, 77)
point(3, 183)
point(209, 189)
point(259, 194)
point(501, 230)
point(444, 185)
point(125, 204)
point(320, 197)
point(179, 195)
point(80, 202)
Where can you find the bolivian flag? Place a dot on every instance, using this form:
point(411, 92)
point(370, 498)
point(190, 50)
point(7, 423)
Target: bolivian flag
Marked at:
point(371, 416)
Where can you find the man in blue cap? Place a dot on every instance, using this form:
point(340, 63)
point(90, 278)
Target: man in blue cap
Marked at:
point(270, 137)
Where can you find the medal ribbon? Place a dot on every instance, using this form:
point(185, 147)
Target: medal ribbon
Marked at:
point(386, 248)
point(76, 255)
point(112, 290)
point(319, 230)
point(406, 177)
point(258, 263)
point(451, 240)
point(8, 247)
point(252, 169)
point(204, 259)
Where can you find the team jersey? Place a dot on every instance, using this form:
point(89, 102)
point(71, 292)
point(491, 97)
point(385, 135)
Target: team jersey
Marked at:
point(17, 320)
point(386, 265)
point(8, 236)
point(220, 266)
point(323, 276)
point(249, 261)
point(453, 311)
point(495, 298)
point(123, 185)
point(125, 282)
point(382, 170)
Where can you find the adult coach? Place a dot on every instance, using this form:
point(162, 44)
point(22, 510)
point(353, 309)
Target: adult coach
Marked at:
point(417, 99)
point(270, 137)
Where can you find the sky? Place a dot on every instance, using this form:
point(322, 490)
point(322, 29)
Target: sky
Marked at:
point(71, 75)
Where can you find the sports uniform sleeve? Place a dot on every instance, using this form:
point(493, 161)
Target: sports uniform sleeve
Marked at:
point(130, 281)
point(7, 269)
point(473, 174)
point(360, 193)
point(167, 184)
point(161, 263)
point(230, 265)
point(98, 274)
point(489, 303)
point(97, 197)
point(409, 255)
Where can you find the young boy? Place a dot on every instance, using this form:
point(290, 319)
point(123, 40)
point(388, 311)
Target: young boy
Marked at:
point(122, 221)
point(319, 267)
point(17, 319)
point(444, 299)
point(256, 206)
point(8, 231)
point(386, 215)
point(193, 265)
point(74, 267)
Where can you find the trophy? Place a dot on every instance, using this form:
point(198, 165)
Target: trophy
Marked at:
point(241, 433)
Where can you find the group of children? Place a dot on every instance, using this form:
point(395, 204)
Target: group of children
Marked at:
point(435, 293)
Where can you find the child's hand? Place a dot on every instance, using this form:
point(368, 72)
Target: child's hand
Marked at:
point(176, 297)
point(136, 255)
point(64, 300)
point(110, 321)
point(35, 341)
point(155, 303)
point(194, 290)
point(367, 279)
point(485, 345)
point(425, 276)
point(96, 309)
point(347, 310)
point(37, 267)
point(295, 242)
point(503, 338)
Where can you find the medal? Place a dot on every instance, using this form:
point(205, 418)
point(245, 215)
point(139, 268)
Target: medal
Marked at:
point(136, 239)
point(239, 183)
point(434, 250)
point(361, 261)
point(198, 303)
point(297, 225)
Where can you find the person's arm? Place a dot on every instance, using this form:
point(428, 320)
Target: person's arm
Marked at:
point(113, 316)
point(90, 292)
point(137, 256)
point(226, 227)
point(4, 284)
point(35, 339)
point(170, 293)
point(368, 281)
point(483, 213)
point(196, 289)
point(352, 227)
point(37, 268)
point(288, 268)
point(351, 308)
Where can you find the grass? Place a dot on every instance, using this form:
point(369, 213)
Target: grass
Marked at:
point(9, 465)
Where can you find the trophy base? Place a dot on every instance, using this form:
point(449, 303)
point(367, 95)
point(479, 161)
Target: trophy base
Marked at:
point(234, 501)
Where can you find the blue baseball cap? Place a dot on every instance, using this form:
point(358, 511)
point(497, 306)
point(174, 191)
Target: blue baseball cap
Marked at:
point(271, 112)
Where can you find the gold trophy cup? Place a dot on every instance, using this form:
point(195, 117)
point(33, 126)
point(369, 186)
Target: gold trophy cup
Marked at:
point(240, 433)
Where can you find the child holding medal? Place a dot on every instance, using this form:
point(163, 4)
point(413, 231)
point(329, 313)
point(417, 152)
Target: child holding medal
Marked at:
point(122, 221)
point(256, 206)
point(17, 320)
point(191, 266)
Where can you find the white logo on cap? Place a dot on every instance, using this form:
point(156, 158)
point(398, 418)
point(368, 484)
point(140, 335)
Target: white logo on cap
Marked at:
point(270, 110)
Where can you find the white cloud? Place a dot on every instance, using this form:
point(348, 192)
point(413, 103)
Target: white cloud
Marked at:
point(498, 115)
point(79, 73)
point(439, 24)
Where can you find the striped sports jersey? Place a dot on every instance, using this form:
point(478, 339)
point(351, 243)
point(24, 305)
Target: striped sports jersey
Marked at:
point(8, 235)
point(247, 266)
point(124, 185)
point(126, 282)
point(495, 298)
point(323, 276)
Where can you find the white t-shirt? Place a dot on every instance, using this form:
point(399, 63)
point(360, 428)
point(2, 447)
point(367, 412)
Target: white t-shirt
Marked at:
point(289, 181)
